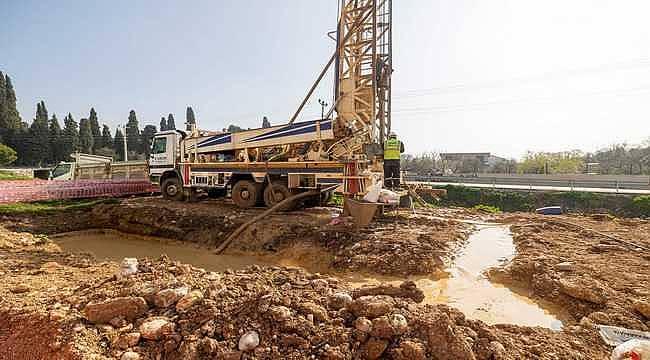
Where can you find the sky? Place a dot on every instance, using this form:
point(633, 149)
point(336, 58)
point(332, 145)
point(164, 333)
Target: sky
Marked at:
point(499, 76)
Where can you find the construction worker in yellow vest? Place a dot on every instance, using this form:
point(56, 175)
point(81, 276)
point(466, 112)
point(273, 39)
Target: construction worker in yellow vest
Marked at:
point(392, 150)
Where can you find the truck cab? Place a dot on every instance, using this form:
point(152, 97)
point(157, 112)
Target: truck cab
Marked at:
point(164, 156)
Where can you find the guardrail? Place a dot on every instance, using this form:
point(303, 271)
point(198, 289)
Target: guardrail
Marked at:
point(549, 184)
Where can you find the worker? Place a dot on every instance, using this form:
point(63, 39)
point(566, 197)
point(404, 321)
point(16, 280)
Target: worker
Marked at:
point(392, 150)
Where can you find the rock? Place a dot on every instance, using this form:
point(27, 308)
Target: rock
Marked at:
point(129, 266)
point(444, 342)
point(372, 306)
point(373, 348)
point(280, 313)
point(318, 311)
point(565, 266)
point(249, 341)
point(130, 355)
point(407, 289)
point(385, 327)
point(586, 322)
point(599, 317)
point(128, 307)
point(410, 350)
point(339, 300)
point(333, 353)
point(363, 324)
point(399, 323)
point(118, 322)
point(190, 299)
point(381, 328)
point(188, 350)
point(125, 341)
point(20, 288)
point(155, 327)
point(208, 345)
point(584, 289)
point(498, 350)
point(166, 298)
point(643, 307)
point(295, 341)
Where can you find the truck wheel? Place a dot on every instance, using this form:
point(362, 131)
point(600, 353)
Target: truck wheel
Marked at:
point(172, 189)
point(281, 192)
point(246, 193)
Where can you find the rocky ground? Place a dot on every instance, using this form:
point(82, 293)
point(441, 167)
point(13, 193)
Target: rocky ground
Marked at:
point(587, 265)
point(61, 306)
point(418, 244)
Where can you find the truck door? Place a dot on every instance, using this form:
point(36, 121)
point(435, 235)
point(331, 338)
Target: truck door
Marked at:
point(163, 155)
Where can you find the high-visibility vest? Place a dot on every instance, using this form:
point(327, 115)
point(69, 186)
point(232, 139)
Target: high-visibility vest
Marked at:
point(392, 149)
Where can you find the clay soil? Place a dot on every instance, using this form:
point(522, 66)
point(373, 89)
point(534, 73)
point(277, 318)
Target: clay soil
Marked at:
point(61, 306)
point(57, 305)
point(594, 267)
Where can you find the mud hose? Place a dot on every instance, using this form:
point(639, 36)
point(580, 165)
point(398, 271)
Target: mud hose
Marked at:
point(269, 211)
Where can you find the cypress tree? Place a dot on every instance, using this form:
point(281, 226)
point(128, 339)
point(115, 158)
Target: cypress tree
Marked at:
point(3, 104)
point(94, 129)
point(189, 118)
point(85, 136)
point(70, 136)
point(171, 125)
point(147, 135)
point(13, 117)
point(265, 122)
point(118, 145)
point(133, 134)
point(107, 139)
point(56, 141)
point(163, 124)
point(38, 144)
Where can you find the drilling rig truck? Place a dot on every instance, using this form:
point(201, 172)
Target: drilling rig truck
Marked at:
point(340, 152)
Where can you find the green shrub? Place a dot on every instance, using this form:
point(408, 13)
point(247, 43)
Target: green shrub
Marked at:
point(642, 204)
point(487, 209)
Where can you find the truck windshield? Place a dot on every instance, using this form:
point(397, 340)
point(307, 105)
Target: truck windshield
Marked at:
point(60, 169)
point(159, 145)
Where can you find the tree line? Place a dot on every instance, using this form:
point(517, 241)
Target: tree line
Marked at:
point(618, 159)
point(45, 142)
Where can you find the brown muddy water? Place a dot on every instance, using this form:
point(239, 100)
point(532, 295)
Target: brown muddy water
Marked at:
point(465, 287)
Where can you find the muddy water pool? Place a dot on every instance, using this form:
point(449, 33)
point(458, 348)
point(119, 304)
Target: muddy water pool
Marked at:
point(465, 287)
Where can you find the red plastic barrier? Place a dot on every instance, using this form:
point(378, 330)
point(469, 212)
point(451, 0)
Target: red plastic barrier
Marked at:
point(12, 191)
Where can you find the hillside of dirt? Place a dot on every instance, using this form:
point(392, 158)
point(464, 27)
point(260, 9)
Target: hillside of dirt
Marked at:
point(63, 306)
point(595, 267)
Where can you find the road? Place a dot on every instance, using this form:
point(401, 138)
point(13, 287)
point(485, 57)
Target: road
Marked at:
point(618, 184)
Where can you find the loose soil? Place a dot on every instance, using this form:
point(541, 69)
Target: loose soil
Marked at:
point(576, 262)
point(55, 304)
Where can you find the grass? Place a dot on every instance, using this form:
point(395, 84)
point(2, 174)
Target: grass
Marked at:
point(51, 206)
point(8, 175)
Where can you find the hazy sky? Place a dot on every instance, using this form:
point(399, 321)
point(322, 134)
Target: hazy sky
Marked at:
point(485, 75)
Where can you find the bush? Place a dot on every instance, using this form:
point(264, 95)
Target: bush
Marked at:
point(7, 155)
point(642, 204)
point(487, 209)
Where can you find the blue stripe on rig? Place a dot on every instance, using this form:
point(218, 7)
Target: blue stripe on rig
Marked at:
point(216, 140)
point(293, 129)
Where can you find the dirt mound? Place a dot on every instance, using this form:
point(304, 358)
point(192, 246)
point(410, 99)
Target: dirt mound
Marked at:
point(573, 262)
point(170, 310)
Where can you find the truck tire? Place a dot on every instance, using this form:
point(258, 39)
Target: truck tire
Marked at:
point(172, 189)
point(246, 193)
point(281, 192)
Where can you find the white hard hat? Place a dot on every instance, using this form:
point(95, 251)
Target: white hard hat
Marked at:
point(391, 134)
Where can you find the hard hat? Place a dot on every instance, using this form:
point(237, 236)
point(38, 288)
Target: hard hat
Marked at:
point(392, 134)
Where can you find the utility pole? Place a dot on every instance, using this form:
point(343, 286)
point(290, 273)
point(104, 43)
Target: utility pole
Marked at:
point(126, 152)
point(323, 105)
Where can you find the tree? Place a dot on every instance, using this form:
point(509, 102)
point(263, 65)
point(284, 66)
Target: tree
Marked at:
point(13, 131)
point(70, 136)
point(107, 139)
point(85, 136)
point(163, 124)
point(147, 135)
point(38, 143)
point(189, 118)
point(133, 139)
point(7, 155)
point(56, 141)
point(94, 129)
point(234, 128)
point(171, 125)
point(265, 122)
point(118, 145)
